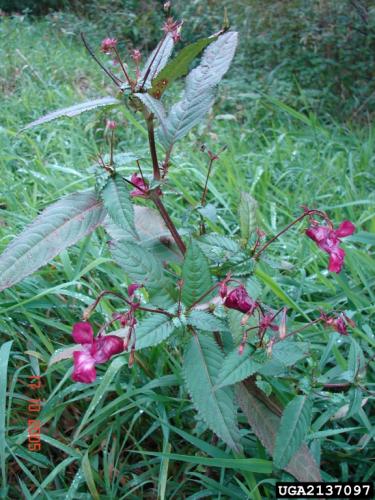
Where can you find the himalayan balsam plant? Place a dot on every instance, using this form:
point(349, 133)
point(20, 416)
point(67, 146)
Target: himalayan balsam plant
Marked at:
point(193, 288)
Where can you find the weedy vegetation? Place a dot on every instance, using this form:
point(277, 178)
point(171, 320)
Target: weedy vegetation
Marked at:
point(187, 270)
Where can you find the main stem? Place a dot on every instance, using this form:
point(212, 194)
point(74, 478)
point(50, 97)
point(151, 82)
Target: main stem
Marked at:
point(155, 196)
point(151, 142)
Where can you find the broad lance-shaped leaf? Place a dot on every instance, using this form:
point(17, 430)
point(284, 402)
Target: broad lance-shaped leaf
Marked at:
point(77, 109)
point(56, 228)
point(247, 212)
point(179, 66)
point(195, 274)
point(199, 90)
point(139, 264)
point(116, 199)
point(153, 330)
point(202, 362)
point(295, 423)
point(237, 367)
point(265, 424)
point(157, 60)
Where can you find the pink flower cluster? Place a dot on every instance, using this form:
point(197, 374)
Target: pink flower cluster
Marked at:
point(328, 239)
point(94, 351)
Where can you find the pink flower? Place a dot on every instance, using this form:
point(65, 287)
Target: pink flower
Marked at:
point(338, 323)
point(173, 27)
point(136, 56)
point(108, 44)
point(132, 288)
point(328, 239)
point(111, 124)
point(94, 351)
point(240, 300)
point(141, 189)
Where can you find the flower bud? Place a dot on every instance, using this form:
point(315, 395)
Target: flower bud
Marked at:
point(108, 44)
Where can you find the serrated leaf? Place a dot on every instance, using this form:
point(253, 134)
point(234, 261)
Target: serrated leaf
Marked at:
point(198, 95)
point(202, 362)
point(71, 111)
point(216, 246)
point(205, 321)
point(195, 274)
point(154, 106)
point(264, 423)
point(179, 66)
point(139, 264)
point(153, 330)
point(237, 367)
point(247, 213)
point(59, 226)
point(116, 199)
point(288, 353)
point(294, 425)
point(157, 60)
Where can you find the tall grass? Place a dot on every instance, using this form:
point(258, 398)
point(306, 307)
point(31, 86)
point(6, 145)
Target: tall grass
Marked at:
point(132, 434)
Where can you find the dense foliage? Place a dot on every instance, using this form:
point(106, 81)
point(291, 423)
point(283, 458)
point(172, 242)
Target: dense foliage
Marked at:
point(145, 410)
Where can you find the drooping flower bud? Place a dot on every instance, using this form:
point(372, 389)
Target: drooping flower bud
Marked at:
point(240, 300)
point(132, 288)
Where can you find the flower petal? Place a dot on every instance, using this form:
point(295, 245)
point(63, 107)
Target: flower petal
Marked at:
point(346, 228)
point(105, 347)
point(83, 333)
point(240, 300)
point(84, 367)
point(336, 260)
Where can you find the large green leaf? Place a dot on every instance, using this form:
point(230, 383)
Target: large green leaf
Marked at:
point(265, 423)
point(154, 106)
point(139, 264)
point(247, 212)
point(205, 321)
point(77, 109)
point(237, 367)
point(199, 91)
point(157, 60)
point(195, 274)
point(294, 425)
point(202, 363)
point(56, 228)
point(179, 66)
point(116, 199)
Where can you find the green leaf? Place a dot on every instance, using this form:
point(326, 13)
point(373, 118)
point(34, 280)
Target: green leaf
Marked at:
point(294, 425)
point(195, 274)
point(247, 211)
point(257, 465)
point(63, 353)
point(116, 199)
point(153, 330)
point(356, 361)
point(77, 109)
point(202, 363)
point(4, 358)
point(56, 228)
point(288, 353)
point(139, 264)
point(264, 423)
point(157, 60)
point(89, 476)
point(218, 247)
point(179, 66)
point(199, 91)
point(237, 367)
point(205, 321)
point(154, 106)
